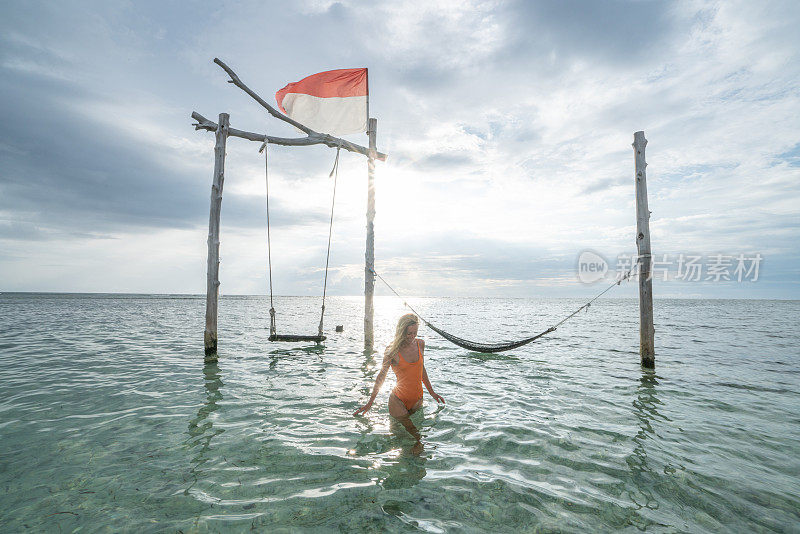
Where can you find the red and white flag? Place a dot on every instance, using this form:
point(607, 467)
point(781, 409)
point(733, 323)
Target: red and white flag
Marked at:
point(332, 102)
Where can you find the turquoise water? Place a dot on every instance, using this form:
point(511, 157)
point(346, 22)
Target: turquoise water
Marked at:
point(111, 421)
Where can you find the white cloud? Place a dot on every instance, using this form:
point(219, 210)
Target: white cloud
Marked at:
point(507, 124)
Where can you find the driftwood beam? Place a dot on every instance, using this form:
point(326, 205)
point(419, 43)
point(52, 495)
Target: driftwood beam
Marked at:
point(318, 138)
point(205, 124)
point(272, 111)
point(314, 139)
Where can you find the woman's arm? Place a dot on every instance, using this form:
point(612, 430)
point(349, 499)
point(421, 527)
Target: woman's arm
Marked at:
point(428, 385)
point(427, 382)
point(387, 361)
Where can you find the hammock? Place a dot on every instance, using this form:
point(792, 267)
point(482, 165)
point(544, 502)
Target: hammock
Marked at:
point(500, 347)
point(486, 347)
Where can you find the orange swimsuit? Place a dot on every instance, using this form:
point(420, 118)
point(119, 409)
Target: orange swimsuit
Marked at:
point(409, 379)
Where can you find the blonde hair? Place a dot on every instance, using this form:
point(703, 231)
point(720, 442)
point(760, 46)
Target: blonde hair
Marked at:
point(400, 333)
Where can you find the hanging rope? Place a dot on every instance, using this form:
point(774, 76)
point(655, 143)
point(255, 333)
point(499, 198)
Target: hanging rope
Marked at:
point(500, 347)
point(272, 327)
point(335, 175)
point(272, 323)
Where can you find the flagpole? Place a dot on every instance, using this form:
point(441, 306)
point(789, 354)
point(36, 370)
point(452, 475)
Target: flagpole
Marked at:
point(369, 278)
point(367, 70)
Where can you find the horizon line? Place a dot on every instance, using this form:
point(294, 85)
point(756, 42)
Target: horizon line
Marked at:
point(203, 295)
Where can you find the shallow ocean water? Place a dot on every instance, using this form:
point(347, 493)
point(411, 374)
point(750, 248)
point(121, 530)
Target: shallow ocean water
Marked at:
point(111, 421)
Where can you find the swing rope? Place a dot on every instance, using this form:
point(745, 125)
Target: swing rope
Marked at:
point(500, 347)
point(335, 175)
point(272, 327)
point(273, 334)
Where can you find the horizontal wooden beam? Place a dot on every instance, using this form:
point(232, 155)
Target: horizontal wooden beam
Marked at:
point(313, 138)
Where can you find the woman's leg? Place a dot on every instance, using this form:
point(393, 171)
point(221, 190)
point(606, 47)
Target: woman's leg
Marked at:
point(399, 411)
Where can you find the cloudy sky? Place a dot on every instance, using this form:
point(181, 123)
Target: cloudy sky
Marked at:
point(508, 127)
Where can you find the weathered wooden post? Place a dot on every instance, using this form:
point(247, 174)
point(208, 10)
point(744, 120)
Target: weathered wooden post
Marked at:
point(212, 286)
point(647, 350)
point(369, 278)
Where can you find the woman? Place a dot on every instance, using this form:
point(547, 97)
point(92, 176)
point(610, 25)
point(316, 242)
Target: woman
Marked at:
point(405, 355)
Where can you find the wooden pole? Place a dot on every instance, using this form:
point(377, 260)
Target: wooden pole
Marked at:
point(212, 287)
point(369, 278)
point(647, 350)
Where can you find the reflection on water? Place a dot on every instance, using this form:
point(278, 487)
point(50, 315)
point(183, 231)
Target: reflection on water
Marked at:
point(642, 473)
point(276, 355)
point(201, 429)
point(406, 470)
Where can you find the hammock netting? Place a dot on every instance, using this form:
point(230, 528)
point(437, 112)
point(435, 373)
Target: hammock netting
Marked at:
point(486, 347)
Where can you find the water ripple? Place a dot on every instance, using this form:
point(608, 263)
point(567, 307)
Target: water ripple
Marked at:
point(112, 420)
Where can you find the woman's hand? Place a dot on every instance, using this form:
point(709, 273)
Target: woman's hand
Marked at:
point(364, 409)
point(438, 397)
